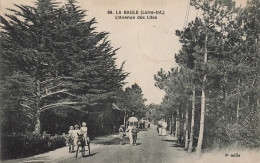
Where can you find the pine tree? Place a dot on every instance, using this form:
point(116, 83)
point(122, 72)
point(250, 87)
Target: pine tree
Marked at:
point(70, 64)
point(192, 39)
point(214, 14)
point(100, 79)
point(26, 42)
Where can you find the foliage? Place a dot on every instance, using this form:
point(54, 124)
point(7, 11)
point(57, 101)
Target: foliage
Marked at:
point(18, 145)
point(229, 75)
point(63, 61)
point(133, 101)
point(155, 113)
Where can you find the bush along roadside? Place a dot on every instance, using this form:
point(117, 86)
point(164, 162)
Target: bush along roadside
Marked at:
point(18, 145)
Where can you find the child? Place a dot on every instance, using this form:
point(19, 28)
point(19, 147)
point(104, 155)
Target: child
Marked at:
point(134, 133)
point(121, 133)
point(70, 139)
point(84, 130)
point(75, 134)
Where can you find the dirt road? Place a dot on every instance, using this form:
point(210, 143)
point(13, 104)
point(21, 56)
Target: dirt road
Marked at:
point(150, 148)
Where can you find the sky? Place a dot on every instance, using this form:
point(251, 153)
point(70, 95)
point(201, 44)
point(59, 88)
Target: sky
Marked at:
point(146, 45)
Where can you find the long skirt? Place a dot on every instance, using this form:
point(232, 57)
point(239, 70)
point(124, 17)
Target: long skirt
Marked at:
point(130, 138)
point(75, 140)
point(164, 131)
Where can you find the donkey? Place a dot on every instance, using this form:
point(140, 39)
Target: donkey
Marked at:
point(81, 143)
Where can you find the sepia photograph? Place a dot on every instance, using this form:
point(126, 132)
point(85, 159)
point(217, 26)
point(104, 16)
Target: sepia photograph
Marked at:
point(130, 81)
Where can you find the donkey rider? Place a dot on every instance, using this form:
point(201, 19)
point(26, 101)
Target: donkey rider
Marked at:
point(84, 131)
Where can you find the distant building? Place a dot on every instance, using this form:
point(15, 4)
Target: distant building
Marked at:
point(101, 119)
point(104, 119)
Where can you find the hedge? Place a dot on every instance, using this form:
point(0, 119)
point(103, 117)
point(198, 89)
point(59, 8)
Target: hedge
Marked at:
point(19, 145)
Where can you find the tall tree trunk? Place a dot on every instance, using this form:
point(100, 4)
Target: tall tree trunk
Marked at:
point(183, 127)
point(125, 120)
point(37, 128)
point(203, 101)
point(177, 124)
point(238, 99)
point(186, 129)
point(224, 93)
point(224, 98)
point(171, 128)
point(258, 103)
point(192, 120)
point(202, 117)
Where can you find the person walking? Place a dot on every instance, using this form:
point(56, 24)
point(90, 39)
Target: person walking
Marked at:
point(129, 130)
point(159, 128)
point(164, 127)
point(134, 133)
point(149, 123)
point(121, 133)
point(70, 139)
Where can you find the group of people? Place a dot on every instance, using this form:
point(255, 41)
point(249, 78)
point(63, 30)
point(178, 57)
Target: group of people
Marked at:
point(74, 132)
point(142, 124)
point(132, 130)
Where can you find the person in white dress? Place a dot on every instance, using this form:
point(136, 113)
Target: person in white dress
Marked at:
point(70, 139)
point(164, 127)
point(84, 130)
point(121, 133)
point(129, 130)
point(75, 134)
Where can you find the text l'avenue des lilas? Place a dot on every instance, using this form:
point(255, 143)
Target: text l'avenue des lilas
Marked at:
point(136, 14)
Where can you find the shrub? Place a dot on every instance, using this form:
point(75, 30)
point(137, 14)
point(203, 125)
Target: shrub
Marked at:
point(244, 133)
point(19, 145)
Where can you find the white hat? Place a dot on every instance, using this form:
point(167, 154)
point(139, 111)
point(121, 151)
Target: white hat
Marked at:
point(84, 124)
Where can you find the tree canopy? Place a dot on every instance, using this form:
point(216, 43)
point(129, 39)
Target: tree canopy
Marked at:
point(132, 100)
point(219, 64)
point(55, 59)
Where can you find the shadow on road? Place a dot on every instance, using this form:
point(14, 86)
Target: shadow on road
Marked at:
point(138, 144)
point(92, 154)
point(177, 145)
point(179, 148)
point(112, 141)
point(169, 140)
